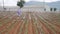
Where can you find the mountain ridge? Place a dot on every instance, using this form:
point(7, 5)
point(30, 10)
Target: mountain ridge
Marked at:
point(50, 4)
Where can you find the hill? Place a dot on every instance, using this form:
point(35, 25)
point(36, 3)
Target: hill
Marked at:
point(52, 4)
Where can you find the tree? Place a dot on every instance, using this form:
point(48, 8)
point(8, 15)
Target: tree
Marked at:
point(51, 9)
point(44, 9)
point(55, 9)
point(21, 3)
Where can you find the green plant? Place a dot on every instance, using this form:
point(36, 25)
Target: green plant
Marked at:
point(21, 3)
point(51, 9)
point(55, 9)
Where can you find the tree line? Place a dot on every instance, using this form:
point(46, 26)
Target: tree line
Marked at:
point(53, 9)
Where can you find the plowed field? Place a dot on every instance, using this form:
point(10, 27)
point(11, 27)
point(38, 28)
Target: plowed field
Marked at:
point(29, 23)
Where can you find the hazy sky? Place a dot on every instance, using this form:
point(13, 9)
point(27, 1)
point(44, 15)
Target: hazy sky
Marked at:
point(43, 0)
point(13, 2)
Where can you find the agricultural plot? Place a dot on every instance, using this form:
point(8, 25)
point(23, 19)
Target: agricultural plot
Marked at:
point(29, 23)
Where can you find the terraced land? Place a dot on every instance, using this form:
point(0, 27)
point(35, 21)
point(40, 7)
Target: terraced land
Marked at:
point(29, 23)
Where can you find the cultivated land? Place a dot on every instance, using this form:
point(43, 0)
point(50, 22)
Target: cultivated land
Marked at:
point(29, 23)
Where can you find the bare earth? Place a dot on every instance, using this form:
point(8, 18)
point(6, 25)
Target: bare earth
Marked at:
point(29, 23)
